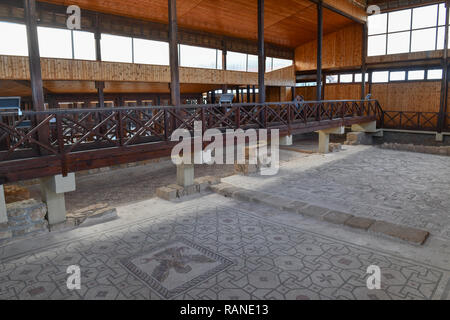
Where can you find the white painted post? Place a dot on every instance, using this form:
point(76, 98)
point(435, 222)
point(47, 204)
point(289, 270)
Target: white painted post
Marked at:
point(286, 141)
point(185, 174)
point(3, 213)
point(324, 138)
point(53, 189)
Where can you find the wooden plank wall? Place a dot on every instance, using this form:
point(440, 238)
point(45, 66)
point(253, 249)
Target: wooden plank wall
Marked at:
point(17, 68)
point(340, 49)
point(414, 96)
point(421, 96)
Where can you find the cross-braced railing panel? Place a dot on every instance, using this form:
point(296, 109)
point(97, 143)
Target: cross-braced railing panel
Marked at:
point(409, 120)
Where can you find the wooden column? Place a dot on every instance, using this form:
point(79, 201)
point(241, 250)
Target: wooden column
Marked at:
point(248, 94)
point(173, 49)
point(36, 83)
point(99, 85)
point(444, 87)
point(34, 56)
point(261, 53)
point(254, 94)
point(363, 62)
point(319, 48)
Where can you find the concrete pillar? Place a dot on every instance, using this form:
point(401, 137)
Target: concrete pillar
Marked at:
point(369, 127)
point(3, 214)
point(324, 138)
point(286, 141)
point(53, 189)
point(185, 175)
point(439, 137)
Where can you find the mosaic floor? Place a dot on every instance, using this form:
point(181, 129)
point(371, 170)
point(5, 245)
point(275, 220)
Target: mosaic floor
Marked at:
point(212, 247)
point(406, 188)
point(211, 251)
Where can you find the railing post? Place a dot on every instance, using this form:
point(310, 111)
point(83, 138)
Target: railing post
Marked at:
point(289, 118)
point(166, 128)
point(120, 128)
point(62, 153)
point(238, 117)
point(418, 119)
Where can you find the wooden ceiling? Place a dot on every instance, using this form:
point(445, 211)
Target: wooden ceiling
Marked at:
point(287, 22)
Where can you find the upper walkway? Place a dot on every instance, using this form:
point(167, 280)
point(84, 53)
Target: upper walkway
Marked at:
point(40, 144)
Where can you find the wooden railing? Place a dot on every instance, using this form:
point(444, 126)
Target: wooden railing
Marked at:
point(37, 144)
point(409, 120)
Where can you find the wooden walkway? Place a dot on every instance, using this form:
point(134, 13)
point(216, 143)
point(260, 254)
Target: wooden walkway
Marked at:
point(40, 144)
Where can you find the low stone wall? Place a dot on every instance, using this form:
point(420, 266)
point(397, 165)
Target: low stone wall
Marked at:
point(439, 150)
point(24, 217)
point(422, 139)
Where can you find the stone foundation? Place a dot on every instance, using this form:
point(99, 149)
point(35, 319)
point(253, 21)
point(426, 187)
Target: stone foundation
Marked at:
point(24, 217)
point(15, 193)
point(173, 192)
point(359, 138)
point(438, 150)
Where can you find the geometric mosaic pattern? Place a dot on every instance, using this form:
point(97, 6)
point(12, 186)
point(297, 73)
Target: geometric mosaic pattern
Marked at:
point(406, 188)
point(226, 253)
point(175, 267)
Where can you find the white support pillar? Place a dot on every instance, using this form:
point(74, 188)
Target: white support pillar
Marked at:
point(3, 213)
point(53, 189)
point(324, 138)
point(185, 174)
point(286, 141)
point(368, 127)
point(439, 137)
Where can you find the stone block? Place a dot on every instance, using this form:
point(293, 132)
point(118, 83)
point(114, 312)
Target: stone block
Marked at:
point(314, 211)
point(335, 147)
point(337, 217)
point(245, 169)
point(243, 195)
point(203, 183)
point(412, 235)
point(228, 191)
point(276, 202)
point(15, 193)
point(295, 206)
point(166, 193)
point(359, 223)
point(359, 138)
point(35, 210)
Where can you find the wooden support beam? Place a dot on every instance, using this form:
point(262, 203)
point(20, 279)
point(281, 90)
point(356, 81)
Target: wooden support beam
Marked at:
point(37, 90)
point(444, 87)
point(254, 94)
point(100, 86)
point(34, 56)
point(319, 48)
point(248, 94)
point(98, 37)
point(363, 62)
point(261, 53)
point(173, 49)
